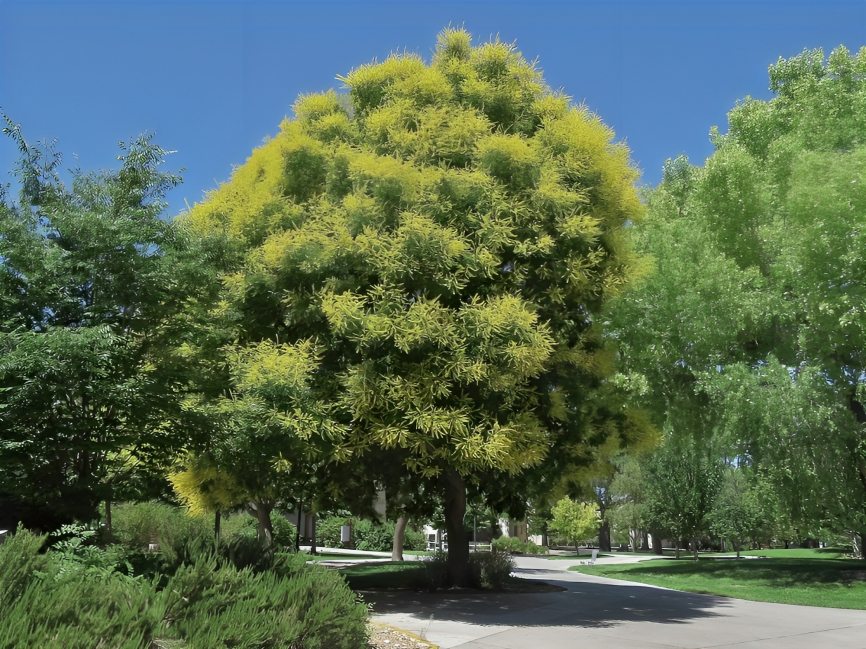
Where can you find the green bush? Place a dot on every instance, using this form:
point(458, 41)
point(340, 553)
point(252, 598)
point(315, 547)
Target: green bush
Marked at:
point(374, 537)
point(242, 550)
point(514, 545)
point(436, 569)
point(293, 606)
point(207, 603)
point(136, 525)
point(46, 604)
point(367, 535)
point(284, 532)
point(328, 531)
point(491, 569)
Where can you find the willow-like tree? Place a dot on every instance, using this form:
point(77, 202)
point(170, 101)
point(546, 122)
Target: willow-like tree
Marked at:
point(752, 331)
point(443, 236)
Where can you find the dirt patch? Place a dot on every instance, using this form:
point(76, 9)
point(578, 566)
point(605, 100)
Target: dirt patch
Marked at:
point(388, 637)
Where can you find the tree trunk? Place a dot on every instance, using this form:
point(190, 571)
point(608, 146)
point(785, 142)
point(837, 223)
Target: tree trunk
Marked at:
point(860, 414)
point(313, 539)
point(677, 546)
point(458, 545)
point(657, 543)
point(644, 541)
point(399, 538)
point(262, 511)
point(695, 546)
point(217, 521)
point(298, 527)
point(108, 525)
point(604, 536)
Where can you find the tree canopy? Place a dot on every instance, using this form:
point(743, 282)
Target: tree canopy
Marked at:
point(441, 240)
point(90, 280)
point(750, 332)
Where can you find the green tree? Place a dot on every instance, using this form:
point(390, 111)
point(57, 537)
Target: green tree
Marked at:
point(682, 484)
point(757, 291)
point(90, 279)
point(574, 521)
point(628, 491)
point(445, 235)
point(737, 514)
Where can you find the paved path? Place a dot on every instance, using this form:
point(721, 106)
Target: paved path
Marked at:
point(595, 613)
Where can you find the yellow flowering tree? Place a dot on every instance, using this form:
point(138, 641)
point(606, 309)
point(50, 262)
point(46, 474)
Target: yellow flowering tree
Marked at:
point(444, 235)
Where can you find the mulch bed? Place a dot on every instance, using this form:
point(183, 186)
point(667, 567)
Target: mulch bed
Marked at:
point(385, 637)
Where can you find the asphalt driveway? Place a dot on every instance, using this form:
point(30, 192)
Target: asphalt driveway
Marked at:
point(595, 612)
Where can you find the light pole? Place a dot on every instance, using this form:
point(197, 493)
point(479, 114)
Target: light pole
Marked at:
point(475, 532)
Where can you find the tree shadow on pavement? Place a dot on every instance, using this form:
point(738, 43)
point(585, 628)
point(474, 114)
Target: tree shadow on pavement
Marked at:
point(585, 604)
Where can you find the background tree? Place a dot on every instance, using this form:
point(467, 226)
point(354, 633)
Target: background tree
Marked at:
point(445, 235)
point(90, 281)
point(759, 273)
point(737, 514)
point(630, 509)
point(682, 485)
point(574, 521)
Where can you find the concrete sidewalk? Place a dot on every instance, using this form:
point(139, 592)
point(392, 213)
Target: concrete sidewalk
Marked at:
point(595, 613)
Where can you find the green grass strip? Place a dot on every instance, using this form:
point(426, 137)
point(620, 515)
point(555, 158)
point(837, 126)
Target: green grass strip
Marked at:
point(834, 583)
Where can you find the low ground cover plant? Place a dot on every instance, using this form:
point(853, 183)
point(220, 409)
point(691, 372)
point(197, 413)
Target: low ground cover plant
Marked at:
point(64, 598)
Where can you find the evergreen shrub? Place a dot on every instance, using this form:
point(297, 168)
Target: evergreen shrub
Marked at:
point(207, 603)
point(292, 606)
point(491, 569)
point(368, 535)
point(137, 525)
point(48, 604)
point(488, 570)
point(514, 545)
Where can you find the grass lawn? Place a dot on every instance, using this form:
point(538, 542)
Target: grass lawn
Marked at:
point(324, 556)
point(414, 575)
point(393, 574)
point(838, 583)
point(793, 553)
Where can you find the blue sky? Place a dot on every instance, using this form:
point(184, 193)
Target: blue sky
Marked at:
point(212, 79)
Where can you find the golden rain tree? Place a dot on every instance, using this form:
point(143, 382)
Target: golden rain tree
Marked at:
point(443, 235)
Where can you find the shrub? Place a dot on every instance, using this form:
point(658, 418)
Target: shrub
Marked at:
point(491, 569)
point(374, 537)
point(50, 608)
point(414, 540)
point(233, 524)
point(436, 568)
point(328, 531)
point(136, 525)
point(75, 549)
point(206, 603)
point(293, 606)
point(242, 550)
point(514, 545)
point(284, 533)
point(368, 535)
